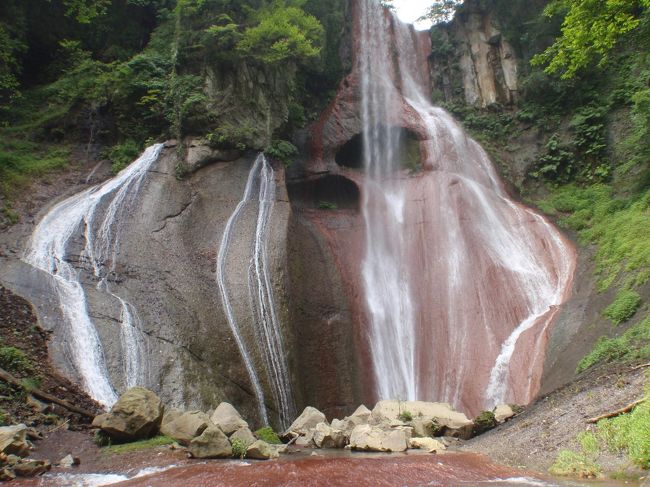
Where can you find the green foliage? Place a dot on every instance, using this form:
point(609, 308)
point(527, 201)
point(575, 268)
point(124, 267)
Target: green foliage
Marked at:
point(239, 448)
point(441, 11)
point(31, 383)
point(121, 155)
point(406, 416)
point(283, 33)
point(230, 136)
point(15, 360)
point(631, 345)
point(101, 439)
point(327, 205)
point(630, 433)
point(484, 422)
point(572, 464)
point(267, 434)
point(133, 447)
point(282, 150)
point(625, 305)
point(590, 30)
point(618, 227)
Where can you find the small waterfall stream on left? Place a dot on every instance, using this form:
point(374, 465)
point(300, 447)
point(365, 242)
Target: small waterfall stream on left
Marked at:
point(96, 214)
point(260, 185)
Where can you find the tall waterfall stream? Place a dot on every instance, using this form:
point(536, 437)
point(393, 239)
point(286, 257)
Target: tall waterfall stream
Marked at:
point(455, 272)
point(96, 213)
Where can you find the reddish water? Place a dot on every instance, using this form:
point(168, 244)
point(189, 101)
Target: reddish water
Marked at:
point(413, 470)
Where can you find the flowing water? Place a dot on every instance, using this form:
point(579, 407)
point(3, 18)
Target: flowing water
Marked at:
point(260, 189)
point(94, 215)
point(461, 282)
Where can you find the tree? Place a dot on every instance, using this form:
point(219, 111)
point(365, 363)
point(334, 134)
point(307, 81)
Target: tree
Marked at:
point(441, 11)
point(283, 33)
point(590, 30)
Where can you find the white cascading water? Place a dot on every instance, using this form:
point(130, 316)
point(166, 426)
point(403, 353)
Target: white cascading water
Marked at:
point(260, 186)
point(455, 273)
point(49, 249)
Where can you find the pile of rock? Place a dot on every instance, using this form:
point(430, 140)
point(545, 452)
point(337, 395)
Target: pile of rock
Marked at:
point(14, 446)
point(139, 414)
point(392, 426)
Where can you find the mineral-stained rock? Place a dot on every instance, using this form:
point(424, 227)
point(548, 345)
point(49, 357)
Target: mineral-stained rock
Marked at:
point(327, 437)
point(503, 412)
point(213, 443)
point(261, 450)
point(452, 422)
point(429, 444)
point(244, 434)
point(136, 415)
point(187, 426)
point(374, 438)
point(308, 420)
point(13, 440)
point(32, 468)
point(228, 418)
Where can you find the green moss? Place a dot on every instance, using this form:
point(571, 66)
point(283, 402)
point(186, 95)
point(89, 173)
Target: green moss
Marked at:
point(267, 434)
point(484, 422)
point(327, 205)
point(625, 305)
point(573, 464)
point(631, 345)
point(406, 416)
point(138, 445)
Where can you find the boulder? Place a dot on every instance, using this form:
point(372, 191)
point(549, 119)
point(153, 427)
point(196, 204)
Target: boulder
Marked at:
point(244, 434)
point(7, 474)
point(31, 468)
point(306, 441)
point(327, 437)
point(362, 412)
point(308, 420)
point(261, 450)
point(187, 426)
point(374, 438)
point(69, 461)
point(136, 415)
point(171, 414)
point(503, 413)
point(212, 443)
point(13, 440)
point(228, 418)
point(429, 444)
point(422, 428)
point(452, 423)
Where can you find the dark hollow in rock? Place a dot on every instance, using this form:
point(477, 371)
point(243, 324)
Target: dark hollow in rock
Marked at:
point(329, 192)
point(408, 154)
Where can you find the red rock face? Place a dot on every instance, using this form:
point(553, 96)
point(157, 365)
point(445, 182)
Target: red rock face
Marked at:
point(452, 286)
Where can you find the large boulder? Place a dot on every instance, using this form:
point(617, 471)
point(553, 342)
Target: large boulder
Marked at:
point(170, 415)
point(327, 437)
point(307, 421)
point(136, 415)
point(212, 443)
point(13, 440)
point(261, 450)
point(32, 468)
point(375, 438)
point(452, 423)
point(503, 413)
point(228, 418)
point(429, 444)
point(186, 427)
point(362, 413)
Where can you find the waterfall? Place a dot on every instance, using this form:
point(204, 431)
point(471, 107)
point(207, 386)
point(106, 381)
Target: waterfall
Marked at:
point(461, 283)
point(260, 186)
point(95, 215)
